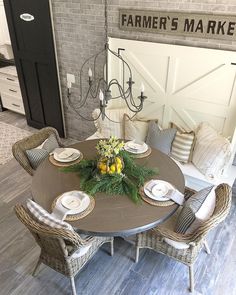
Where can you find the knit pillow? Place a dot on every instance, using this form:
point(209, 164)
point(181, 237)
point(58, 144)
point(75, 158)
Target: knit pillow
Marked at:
point(42, 216)
point(182, 145)
point(135, 129)
point(160, 139)
point(41, 152)
point(212, 152)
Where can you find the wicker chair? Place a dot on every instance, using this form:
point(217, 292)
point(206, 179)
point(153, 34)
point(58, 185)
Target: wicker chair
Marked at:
point(154, 239)
point(58, 245)
point(30, 142)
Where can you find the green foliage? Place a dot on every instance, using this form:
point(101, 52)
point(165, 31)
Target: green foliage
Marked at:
point(128, 182)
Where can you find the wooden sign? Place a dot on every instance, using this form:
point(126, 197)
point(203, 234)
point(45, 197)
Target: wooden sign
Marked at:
point(177, 23)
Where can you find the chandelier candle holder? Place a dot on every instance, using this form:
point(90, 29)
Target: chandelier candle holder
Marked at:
point(101, 87)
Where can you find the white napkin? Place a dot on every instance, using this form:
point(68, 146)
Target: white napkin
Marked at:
point(175, 196)
point(60, 212)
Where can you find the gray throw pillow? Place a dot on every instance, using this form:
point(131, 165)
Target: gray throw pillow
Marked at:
point(160, 139)
point(187, 216)
point(37, 155)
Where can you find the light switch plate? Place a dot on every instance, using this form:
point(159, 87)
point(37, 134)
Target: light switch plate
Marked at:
point(70, 78)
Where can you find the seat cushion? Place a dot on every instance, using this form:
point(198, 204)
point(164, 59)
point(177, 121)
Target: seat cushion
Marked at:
point(212, 152)
point(41, 152)
point(160, 139)
point(43, 217)
point(135, 129)
point(112, 126)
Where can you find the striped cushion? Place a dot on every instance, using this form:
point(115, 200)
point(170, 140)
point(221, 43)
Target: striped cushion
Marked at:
point(160, 139)
point(45, 218)
point(182, 146)
point(38, 154)
point(212, 152)
point(197, 209)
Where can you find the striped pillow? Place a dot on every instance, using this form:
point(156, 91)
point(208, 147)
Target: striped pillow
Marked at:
point(42, 216)
point(197, 209)
point(41, 152)
point(160, 139)
point(182, 146)
point(212, 152)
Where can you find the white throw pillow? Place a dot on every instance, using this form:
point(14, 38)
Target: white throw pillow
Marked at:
point(114, 126)
point(212, 152)
point(135, 129)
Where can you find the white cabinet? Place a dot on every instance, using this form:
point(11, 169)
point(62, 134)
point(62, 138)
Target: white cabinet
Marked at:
point(10, 90)
point(4, 33)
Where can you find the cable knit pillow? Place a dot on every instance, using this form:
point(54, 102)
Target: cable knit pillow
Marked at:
point(160, 139)
point(112, 126)
point(212, 152)
point(41, 152)
point(135, 129)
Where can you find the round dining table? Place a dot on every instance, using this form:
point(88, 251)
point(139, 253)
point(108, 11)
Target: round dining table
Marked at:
point(113, 215)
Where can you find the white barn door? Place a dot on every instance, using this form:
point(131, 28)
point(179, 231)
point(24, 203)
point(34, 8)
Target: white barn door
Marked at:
point(185, 85)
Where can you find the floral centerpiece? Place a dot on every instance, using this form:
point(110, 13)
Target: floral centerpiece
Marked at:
point(110, 162)
point(114, 171)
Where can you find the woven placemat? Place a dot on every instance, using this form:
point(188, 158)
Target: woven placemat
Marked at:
point(153, 202)
point(60, 164)
point(143, 155)
point(79, 215)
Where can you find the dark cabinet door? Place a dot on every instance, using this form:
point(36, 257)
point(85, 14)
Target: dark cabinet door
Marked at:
point(33, 45)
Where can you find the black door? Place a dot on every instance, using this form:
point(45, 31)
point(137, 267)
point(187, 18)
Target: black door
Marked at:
point(32, 40)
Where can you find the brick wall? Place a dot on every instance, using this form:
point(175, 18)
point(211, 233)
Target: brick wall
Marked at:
point(79, 30)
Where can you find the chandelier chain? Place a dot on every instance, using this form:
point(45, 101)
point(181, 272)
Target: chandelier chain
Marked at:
point(106, 20)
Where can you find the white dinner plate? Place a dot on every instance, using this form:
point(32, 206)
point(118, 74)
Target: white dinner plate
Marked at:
point(157, 189)
point(67, 155)
point(75, 201)
point(136, 147)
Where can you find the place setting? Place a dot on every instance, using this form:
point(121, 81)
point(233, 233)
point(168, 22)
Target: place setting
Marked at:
point(72, 205)
point(64, 157)
point(137, 148)
point(161, 193)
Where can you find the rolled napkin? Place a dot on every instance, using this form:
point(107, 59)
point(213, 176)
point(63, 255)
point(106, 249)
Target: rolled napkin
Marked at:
point(60, 212)
point(167, 191)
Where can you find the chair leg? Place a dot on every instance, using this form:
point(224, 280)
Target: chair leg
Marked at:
point(137, 254)
point(72, 281)
point(112, 247)
point(36, 268)
point(191, 278)
point(206, 246)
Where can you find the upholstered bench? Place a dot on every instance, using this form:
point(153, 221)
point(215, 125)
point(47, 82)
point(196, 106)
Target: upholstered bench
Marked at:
point(194, 178)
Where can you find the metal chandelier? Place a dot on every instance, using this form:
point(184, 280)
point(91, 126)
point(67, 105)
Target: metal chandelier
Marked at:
point(100, 87)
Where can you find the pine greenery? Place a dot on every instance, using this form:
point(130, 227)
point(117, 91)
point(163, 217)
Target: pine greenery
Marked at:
point(128, 182)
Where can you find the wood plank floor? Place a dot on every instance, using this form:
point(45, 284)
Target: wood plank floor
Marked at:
point(105, 275)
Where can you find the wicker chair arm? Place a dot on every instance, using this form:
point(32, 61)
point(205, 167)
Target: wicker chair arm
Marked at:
point(32, 141)
point(38, 228)
point(223, 204)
